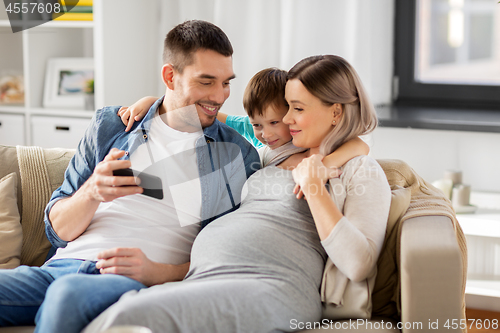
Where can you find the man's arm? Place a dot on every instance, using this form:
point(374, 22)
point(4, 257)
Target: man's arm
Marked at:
point(70, 217)
point(73, 205)
point(70, 208)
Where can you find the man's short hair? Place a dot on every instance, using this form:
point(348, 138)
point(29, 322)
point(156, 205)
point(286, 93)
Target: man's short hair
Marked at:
point(265, 88)
point(186, 38)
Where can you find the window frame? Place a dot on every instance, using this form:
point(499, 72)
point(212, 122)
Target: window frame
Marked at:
point(411, 92)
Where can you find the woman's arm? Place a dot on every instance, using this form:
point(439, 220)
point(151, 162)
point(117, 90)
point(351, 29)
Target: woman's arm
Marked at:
point(311, 175)
point(354, 236)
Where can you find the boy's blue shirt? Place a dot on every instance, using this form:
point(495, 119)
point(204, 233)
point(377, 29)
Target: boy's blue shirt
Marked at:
point(243, 126)
point(225, 161)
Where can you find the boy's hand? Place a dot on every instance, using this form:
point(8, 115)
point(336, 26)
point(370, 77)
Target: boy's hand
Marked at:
point(124, 114)
point(129, 115)
point(135, 112)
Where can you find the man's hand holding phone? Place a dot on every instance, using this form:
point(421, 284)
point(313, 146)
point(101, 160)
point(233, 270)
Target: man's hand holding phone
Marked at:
point(71, 216)
point(103, 186)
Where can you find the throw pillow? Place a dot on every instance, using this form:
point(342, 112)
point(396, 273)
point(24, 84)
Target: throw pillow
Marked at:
point(11, 236)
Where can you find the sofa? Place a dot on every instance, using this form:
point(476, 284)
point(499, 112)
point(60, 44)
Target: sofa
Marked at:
point(421, 270)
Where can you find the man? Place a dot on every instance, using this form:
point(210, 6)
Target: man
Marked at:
point(112, 239)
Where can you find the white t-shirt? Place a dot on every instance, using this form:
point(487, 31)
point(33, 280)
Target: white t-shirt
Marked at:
point(163, 229)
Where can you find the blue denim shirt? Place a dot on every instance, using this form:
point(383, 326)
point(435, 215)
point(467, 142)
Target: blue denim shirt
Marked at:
point(225, 161)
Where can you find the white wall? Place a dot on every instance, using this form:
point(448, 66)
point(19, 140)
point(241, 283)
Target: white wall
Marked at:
point(279, 33)
point(431, 152)
point(126, 50)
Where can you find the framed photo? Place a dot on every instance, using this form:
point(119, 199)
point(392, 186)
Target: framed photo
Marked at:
point(65, 82)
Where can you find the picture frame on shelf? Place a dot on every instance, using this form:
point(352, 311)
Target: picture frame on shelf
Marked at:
point(66, 81)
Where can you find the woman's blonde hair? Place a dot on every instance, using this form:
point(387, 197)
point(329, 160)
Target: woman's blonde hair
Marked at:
point(333, 80)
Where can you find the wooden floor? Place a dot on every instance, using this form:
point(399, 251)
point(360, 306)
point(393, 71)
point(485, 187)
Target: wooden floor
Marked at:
point(482, 318)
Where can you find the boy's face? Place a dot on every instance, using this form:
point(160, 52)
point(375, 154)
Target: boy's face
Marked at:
point(269, 127)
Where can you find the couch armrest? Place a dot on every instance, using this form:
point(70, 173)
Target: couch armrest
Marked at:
point(431, 274)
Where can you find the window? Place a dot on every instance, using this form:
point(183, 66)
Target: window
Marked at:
point(448, 53)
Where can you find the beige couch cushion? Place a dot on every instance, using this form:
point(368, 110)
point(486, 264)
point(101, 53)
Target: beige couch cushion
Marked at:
point(384, 294)
point(426, 200)
point(37, 166)
point(42, 173)
point(11, 236)
point(8, 158)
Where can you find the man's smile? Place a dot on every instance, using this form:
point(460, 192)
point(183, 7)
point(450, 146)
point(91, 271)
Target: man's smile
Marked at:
point(209, 110)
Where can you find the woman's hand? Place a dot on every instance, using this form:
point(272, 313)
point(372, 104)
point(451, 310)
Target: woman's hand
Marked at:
point(135, 112)
point(312, 172)
point(311, 175)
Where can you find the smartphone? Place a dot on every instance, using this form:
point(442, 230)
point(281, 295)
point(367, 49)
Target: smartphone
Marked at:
point(152, 185)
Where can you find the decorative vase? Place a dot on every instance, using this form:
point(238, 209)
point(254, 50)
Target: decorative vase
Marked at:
point(89, 102)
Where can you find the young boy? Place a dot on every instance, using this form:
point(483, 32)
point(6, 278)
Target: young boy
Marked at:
point(264, 102)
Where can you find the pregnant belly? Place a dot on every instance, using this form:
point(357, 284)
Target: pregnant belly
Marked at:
point(250, 244)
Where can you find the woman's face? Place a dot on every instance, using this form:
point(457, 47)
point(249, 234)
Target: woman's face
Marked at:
point(308, 118)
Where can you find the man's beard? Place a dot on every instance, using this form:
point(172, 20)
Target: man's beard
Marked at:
point(184, 119)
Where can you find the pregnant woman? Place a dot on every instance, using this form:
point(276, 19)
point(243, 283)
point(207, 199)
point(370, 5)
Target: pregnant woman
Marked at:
point(259, 268)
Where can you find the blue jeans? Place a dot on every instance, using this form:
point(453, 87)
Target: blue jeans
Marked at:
point(61, 296)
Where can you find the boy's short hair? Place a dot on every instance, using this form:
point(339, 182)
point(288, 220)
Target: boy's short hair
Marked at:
point(265, 88)
point(186, 38)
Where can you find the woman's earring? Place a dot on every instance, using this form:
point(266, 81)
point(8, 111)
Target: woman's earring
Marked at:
point(333, 123)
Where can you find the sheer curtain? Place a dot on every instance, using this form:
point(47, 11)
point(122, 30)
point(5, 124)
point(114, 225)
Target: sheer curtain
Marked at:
point(279, 33)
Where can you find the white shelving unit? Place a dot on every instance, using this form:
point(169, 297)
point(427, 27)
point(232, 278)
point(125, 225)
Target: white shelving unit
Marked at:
point(122, 40)
point(482, 230)
point(27, 55)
